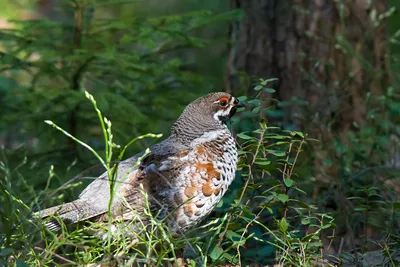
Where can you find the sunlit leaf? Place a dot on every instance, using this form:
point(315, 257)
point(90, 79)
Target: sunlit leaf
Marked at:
point(283, 197)
point(288, 182)
point(262, 162)
point(283, 225)
point(216, 252)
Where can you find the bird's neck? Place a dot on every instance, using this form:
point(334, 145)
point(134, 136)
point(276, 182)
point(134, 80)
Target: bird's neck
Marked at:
point(186, 130)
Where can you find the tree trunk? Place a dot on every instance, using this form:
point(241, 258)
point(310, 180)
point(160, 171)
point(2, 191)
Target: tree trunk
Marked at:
point(329, 53)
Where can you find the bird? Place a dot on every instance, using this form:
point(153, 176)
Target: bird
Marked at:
point(181, 179)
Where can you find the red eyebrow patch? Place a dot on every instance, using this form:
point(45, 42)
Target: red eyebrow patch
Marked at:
point(224, 99)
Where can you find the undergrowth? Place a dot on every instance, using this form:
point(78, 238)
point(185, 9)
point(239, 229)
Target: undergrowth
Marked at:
point(263, 220)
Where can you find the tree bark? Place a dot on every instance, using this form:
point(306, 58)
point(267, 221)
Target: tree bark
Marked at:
point(318, 49)
point(329, 53)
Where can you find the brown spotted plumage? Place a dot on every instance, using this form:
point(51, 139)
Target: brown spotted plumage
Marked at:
point(184, 176)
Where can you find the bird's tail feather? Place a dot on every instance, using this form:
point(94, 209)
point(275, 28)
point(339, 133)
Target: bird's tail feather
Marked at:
point(68, 213)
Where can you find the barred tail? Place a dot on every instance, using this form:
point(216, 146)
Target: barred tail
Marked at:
point(68, 213)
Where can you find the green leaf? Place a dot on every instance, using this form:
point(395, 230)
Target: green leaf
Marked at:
point(262, 162)
point(282, 197)
point(288, 182)
point(308, 237)
point(283, 225)
point(258, 87)
point(256, 109)
point(242, 98)
point(269, 90)
point(301, 204)
point(277, 153)
point(326, 226)
point(263, 123)
point(315, 244)
point(255, 102)
point(305, 221)
point(230, 234)
point(300, 134)
point(216, 252)
point(375, 195)
point(267, 172)
point(351, 198)
point(264, 82)
point(220, 204)
point(235, 238)
point(244, 136)
point(246, 210)
point(230, 258)
point(298, 189)
point(281, 143)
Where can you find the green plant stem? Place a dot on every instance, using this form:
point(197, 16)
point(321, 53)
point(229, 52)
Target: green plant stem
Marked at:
point(78, 141)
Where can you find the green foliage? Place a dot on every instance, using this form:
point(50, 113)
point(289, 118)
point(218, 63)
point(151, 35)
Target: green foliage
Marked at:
point(131, 63)
point(353, 173)
point(223, 238)
point(267, 212)
point(135, 65)
point(128, 62)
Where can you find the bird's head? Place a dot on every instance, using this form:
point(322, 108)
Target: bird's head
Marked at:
point(207, 113)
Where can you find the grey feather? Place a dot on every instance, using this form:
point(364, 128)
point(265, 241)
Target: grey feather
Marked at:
point(93, 201)
point(95, 198)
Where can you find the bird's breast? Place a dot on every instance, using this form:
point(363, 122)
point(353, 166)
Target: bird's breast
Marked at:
point(203, 174)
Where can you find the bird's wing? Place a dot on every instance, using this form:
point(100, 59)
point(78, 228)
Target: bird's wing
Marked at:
point(94, 199)
point(98, 192)
point(155, 176)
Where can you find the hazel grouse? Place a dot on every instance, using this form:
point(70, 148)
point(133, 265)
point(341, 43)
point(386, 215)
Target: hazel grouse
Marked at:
point(183, 177)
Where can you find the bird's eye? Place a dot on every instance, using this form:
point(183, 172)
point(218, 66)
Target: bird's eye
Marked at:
point(223, 101)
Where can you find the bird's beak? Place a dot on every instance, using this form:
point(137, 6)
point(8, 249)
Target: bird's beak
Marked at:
point(238, 103)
